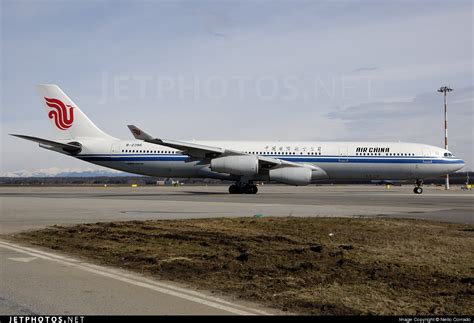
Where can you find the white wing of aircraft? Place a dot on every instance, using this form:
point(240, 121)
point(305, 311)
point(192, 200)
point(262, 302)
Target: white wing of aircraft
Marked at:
point(202, 151)
point(228, 160)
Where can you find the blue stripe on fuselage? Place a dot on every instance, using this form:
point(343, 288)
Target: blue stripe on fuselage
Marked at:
point(307, 159)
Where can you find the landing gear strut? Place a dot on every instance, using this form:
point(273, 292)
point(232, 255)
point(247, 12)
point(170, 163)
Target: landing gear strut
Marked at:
point(418, 186)
point(243, 189)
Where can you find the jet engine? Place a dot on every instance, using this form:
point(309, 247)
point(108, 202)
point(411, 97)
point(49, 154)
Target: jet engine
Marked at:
point(235, 165)
point(298, 176)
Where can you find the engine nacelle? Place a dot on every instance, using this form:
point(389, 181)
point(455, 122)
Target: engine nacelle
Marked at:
point(298, 176)
point(235, 165)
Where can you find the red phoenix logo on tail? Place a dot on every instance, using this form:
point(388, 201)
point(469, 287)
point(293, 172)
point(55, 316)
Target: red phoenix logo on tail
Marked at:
point(62, 117)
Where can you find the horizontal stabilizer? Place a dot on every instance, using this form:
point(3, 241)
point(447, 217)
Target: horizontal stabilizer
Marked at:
point(72, 148)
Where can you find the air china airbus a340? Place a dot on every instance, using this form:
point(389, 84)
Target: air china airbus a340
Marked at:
point(292, 163)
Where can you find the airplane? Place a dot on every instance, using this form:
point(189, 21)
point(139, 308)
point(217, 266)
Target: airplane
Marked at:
point(243, 162)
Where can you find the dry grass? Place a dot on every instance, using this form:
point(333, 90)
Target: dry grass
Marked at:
point(366, 266)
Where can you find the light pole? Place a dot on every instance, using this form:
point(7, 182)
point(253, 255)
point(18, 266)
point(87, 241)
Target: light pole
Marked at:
point(444, 90)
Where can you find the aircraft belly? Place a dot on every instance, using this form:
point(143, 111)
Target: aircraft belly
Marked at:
point(381, 170)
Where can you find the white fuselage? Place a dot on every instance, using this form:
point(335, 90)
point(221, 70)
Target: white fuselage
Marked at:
point(339, 160)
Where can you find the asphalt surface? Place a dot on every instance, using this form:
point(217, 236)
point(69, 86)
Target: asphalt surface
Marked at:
point(24, 208)
point(38, 282)
point(35, 281)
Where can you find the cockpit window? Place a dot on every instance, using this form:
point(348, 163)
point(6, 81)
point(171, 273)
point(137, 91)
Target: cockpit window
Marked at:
point(448, 154)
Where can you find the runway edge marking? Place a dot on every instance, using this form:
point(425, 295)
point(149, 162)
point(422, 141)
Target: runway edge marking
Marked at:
point(134, 276)
point(138, 281)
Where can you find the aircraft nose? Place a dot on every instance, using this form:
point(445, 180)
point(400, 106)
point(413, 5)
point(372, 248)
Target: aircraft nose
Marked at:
point(459, 165)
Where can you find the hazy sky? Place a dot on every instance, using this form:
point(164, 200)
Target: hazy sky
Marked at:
point(295, 70)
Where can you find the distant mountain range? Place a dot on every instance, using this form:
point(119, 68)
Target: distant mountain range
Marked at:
point(64, 172)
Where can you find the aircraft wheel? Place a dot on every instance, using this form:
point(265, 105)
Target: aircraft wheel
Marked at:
point(250, 189)
point(253, 189)
point(234, 189)
point(418, 190)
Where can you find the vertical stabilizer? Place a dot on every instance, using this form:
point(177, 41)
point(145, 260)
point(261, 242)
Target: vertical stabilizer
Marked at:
point(65, 115)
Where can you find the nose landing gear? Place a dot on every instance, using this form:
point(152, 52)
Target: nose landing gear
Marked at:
point(418, 186)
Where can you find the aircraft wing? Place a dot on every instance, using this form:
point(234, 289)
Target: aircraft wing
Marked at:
point(192, 149)
point(203, 151)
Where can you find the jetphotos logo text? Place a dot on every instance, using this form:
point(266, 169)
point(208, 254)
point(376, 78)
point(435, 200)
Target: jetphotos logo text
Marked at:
point(62, 116)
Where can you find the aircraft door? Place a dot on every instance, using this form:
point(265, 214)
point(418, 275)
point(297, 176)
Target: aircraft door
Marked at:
point(343, 154)
point(426, 156)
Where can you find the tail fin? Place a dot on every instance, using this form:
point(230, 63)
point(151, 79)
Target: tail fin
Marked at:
point(66, 116)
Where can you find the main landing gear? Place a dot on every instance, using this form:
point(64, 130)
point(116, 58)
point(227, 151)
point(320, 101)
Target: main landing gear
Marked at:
point(243, 189)
point(418, 186)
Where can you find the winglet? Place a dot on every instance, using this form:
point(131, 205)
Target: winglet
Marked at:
point(139, 134)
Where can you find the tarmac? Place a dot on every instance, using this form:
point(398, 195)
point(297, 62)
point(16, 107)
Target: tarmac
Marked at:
point(25, 208)
point(38, 281)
